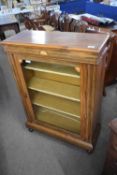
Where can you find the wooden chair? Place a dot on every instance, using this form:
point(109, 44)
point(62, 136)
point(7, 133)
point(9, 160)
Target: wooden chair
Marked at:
point(73, 25)
point(111, 73)
point(109, 51)
point(33, 24)
point(61, 23)
point(109, 58)
point(46, 15)
point(81, 26)
point(53, 20)
point(67, 23)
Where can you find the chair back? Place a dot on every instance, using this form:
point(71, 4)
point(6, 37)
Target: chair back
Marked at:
point(67, 23)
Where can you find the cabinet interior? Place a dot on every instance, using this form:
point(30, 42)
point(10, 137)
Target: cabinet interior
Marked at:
point(54, 92)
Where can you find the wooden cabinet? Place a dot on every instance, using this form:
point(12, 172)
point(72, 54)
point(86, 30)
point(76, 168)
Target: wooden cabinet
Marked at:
point(111, 71)
point(110, 167)
point(60, 77)
point(111, 74)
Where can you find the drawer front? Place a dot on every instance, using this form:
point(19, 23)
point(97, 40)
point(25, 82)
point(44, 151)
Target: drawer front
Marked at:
point(61, 54)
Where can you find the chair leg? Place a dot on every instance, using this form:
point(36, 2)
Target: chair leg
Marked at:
point(2, 36)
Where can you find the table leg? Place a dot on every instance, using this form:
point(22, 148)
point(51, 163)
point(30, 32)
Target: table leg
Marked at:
point(16, 28)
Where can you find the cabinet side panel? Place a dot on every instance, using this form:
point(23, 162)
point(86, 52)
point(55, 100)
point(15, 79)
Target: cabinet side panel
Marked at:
point(99, 87)
point(99, 91)
point(92, 81)
point(88, 100)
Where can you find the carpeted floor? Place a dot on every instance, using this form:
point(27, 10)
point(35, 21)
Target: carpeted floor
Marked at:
point(25, 153)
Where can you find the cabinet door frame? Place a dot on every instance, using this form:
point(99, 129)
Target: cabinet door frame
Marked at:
point(85, 129)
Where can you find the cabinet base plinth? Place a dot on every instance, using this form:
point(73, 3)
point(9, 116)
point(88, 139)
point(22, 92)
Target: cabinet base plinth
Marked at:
point(71, 138)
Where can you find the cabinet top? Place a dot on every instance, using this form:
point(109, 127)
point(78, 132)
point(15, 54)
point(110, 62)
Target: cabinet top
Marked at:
point(67, 40)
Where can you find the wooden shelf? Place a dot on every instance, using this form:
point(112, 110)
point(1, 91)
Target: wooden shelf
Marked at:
point(57, 104)
point(58, 120)
point(65, 74)
point(55, 88)
point(53, 68)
